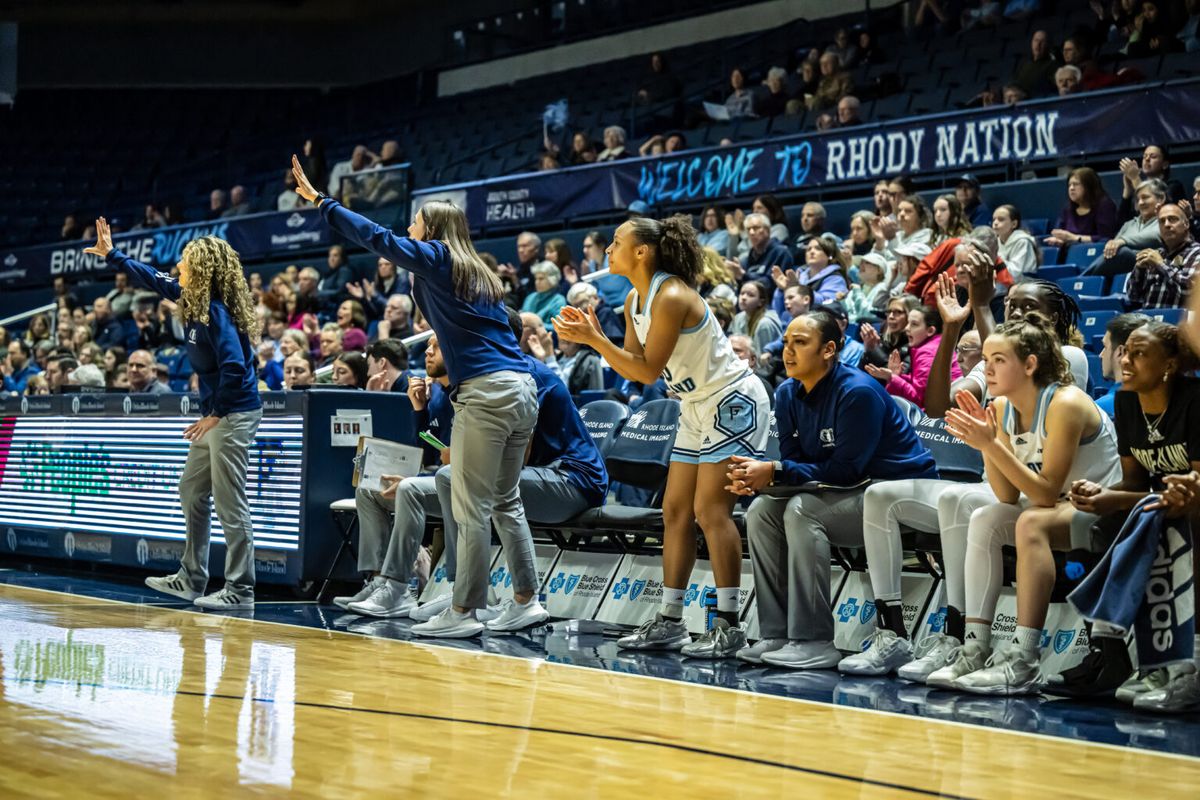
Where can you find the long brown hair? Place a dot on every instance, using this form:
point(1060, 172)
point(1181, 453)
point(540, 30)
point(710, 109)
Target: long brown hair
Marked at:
point(473, 280)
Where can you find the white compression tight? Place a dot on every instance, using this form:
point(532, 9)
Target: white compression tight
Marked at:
point(926, 505)
point(991, 528)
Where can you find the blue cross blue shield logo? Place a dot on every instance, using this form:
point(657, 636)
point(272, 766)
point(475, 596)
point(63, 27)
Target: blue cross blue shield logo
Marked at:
point(572, 582)
point(1063, 639)
point(848, 609)
point(691, 595)
point(621, 587)
point(636, 590)
point(867, 613)
point(556, 583)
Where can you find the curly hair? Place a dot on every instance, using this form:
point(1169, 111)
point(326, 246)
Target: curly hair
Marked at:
point(1034, 335)
point(215, 273)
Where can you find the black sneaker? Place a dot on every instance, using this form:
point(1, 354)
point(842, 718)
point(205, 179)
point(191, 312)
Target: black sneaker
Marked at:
point(1105, 667)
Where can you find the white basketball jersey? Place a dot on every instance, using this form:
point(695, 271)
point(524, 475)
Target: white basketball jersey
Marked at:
point(1096, 459)
point(703, 361)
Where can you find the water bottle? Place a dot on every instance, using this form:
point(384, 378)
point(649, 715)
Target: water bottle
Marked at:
point(708, 601)
point(414, 586)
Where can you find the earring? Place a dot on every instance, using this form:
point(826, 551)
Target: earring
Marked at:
point(1166, 376)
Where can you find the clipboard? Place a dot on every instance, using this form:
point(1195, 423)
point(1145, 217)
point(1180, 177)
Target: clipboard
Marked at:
point(378, 457)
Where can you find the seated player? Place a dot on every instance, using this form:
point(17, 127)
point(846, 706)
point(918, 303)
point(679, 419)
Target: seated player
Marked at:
point(1039, 437)
point(838, 426)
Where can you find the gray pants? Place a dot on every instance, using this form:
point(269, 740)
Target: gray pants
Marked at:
point(549, 499)
point(215, 474)
point(790, 539)
point(494, 416)
point(390, 547)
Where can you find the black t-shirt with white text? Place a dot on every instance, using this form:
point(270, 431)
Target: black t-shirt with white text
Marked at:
point(1179, 429)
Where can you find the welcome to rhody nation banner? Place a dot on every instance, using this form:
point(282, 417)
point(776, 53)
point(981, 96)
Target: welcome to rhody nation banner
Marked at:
point(1053, 129)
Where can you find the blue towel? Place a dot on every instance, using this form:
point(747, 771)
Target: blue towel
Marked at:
point(1145, 581)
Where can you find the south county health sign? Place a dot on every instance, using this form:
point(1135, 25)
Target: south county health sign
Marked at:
point(1046, 130)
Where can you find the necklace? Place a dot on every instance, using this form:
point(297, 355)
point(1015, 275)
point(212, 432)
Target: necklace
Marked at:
point(1153, 435)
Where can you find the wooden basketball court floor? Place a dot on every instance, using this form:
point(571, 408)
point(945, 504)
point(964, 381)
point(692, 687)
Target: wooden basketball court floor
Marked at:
point(100, 697)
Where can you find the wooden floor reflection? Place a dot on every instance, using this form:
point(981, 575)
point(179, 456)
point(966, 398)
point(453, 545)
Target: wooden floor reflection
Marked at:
point(104, 699)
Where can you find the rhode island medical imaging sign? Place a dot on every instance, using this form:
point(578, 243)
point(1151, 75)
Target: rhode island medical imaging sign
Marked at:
point(1046, 130)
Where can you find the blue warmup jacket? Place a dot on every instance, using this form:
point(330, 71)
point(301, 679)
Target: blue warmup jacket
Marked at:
point(220, 354)
point(437, 417)
point(847, 429)
point(561, 436)
point(474, 336)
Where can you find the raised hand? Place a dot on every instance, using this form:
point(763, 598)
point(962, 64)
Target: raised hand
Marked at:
point(952, 311)
point(575, 326)
point(304, 187)
point(1130, 170)
point(879, 373)
point(971, 430)
point(356, 291)
point(104, 244)
point(969, 404)
point(418, 393)
point(869, 336)
point(895, 363)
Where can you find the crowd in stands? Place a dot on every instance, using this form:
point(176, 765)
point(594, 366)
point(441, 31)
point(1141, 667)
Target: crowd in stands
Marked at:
point(881, 278)
point(819, 80)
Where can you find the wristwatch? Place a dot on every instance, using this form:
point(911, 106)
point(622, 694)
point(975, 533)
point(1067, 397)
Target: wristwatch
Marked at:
point(778, 470)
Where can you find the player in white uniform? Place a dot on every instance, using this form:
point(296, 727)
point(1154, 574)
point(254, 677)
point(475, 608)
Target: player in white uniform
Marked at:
point(725, 412)
point(1049, 436)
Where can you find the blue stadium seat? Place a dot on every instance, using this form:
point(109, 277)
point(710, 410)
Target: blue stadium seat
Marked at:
point(1096, 374)
point(1110, 303)
point(955, 461)
point(1038, 226)
point(1172, 316)
point(1089, 285)
point(1058, 274)
point(1091, 324)
point(603, 418)
point(640, 455)
point(1084, 253)
point(1050, 255)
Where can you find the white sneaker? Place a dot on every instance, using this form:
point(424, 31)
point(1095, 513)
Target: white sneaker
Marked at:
point(884, 652)
point(514, 616)
point(450, 625)
point(1009, 671)
point(387, 601)
point(1182, 692)
point(428, 611)
point(971, 657)
point(175, 585)
point(754, 653)
point(224, 600)
point(804, 655)
point(369, 586)
point(490, 612)
point(1138, 685)
point(933, 652)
